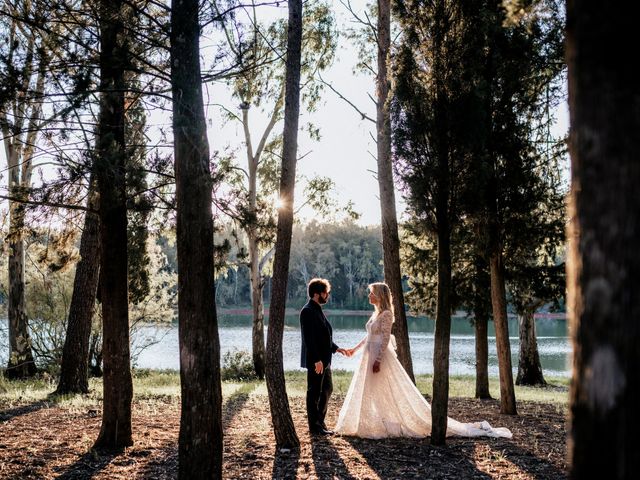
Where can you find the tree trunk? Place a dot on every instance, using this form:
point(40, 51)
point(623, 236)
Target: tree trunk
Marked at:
point(442, 333)
point(439, 406)
point(503, 347)
point(200, 439)
point(257, 305)
point(604, 265)
point(115, 432)
point(480, 322)
point(529, 367)
point(19, 146)
point(21, 363)
point(390, 240)
point(74, 369)
point(283, 426)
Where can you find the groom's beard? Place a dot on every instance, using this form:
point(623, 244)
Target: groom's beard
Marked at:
point(322, 301)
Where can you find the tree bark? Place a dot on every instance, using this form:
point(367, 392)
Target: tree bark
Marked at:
point(283, 426)
point(529, 367)
point(604, 265)
point(19, 150)
point(442, 336)
point(481, 303)
point(200, 439)
point(74, 370)
point(390, 239)
point(500, 321)
point(115, 432)
point(21, 363)
point(257, 305)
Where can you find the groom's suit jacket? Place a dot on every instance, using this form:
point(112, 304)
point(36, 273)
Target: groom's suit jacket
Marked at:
point(317, 336)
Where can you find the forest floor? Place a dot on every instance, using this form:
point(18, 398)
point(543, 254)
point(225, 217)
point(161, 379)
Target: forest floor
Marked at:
point(44, 437)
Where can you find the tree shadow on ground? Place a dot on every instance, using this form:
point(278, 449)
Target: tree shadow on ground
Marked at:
point(416, 458)
point(163, 464)
point(236, 402)
point(89, 464)
point(285, 463)
point(8, 414)
point(164, 459)
point(327, 460)
point(527, 461)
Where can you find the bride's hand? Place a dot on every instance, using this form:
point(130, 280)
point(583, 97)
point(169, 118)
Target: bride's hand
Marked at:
point(376, 366)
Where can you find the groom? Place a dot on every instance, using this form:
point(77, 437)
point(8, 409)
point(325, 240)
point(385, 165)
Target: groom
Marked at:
point(317, 348)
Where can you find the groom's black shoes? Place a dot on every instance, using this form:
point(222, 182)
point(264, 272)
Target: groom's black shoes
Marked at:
point(321, 431)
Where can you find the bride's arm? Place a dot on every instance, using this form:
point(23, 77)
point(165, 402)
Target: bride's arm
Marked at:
point(358, 346)
point(386, 322)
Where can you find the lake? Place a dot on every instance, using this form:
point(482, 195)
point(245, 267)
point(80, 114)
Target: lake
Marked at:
point(348, 330)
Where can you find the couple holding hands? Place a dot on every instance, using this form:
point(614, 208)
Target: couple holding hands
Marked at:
point(382, 401)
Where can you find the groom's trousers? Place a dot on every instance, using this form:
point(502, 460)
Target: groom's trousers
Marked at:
point(319, 389)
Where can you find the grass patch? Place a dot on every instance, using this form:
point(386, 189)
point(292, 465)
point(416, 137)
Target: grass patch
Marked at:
point(164, 385)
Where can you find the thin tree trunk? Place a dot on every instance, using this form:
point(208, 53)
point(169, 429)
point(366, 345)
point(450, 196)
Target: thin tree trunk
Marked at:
point(442, 336)
point(115, 432)
point(19, 149)
point(604, 265)
point(503, 347)
point(283, 426)
point(529, 367)
point(200, 439)
point(481, 321)
point(21, 363)
point(442, 333)
point(257, 305)
point(390, 239)
point(74, 370)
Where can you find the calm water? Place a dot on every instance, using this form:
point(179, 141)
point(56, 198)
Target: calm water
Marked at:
point(235, 333)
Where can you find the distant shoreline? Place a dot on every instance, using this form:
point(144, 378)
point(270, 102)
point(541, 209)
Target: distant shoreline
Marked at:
point(366, 313)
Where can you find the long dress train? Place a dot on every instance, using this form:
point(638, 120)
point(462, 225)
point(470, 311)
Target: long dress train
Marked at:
point(387, 403)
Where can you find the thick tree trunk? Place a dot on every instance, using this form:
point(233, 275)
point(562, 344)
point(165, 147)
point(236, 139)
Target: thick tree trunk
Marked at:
point(257, 306)
point(480, 322)
point(115, 432)
point(529, 367)
point(390, 239)
point(200, 440)
point(283, 426)
point(74, 370)
point(604, 265)
point(501, 324)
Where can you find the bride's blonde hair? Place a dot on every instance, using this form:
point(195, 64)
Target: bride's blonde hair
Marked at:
point(385, 300)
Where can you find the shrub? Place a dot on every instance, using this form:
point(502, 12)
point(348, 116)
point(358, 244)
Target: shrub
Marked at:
point(237, 365)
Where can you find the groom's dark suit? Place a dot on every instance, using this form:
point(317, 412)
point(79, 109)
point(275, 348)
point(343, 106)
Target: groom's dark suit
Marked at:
point(317, 345)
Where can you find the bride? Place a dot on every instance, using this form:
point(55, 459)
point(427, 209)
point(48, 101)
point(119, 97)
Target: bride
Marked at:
point(382, 401)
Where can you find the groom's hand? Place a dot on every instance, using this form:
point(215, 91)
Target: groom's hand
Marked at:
point(319, 368)
point(343, 352)
point(376, 366)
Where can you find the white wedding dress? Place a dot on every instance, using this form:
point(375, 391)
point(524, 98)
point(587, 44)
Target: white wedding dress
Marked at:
point(387, 403)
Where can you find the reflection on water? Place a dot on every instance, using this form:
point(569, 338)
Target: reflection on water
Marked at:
point(235, 333)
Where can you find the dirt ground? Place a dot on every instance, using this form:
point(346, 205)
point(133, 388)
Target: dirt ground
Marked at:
point(45, 441)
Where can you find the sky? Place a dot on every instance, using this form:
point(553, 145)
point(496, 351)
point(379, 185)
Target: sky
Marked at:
point(346, 150)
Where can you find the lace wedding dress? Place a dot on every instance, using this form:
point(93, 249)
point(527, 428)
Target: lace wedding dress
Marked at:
point(387, 403)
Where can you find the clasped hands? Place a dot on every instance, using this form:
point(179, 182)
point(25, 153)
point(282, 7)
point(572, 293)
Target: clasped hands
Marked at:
point(348, 352)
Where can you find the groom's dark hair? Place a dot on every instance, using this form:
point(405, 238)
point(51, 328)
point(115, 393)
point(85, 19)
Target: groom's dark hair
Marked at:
point(318, 285)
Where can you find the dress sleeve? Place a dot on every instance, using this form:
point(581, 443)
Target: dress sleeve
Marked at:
point(360, 344)
point(386, 322)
